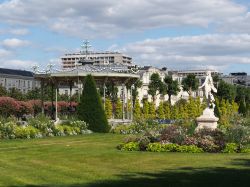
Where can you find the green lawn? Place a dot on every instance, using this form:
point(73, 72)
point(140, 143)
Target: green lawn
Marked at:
point(93, 161)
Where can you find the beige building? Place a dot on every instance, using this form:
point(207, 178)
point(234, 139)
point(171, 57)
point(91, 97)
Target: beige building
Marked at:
point(97, 58)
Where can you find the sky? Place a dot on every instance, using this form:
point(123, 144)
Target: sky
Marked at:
point(177, 34)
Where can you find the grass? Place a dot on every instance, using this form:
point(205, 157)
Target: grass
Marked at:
point(93, 161)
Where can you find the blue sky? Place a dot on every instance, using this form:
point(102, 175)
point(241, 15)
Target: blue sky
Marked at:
point(180, 34)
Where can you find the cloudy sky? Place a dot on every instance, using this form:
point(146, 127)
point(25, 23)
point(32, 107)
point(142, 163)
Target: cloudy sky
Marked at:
point(177, 34)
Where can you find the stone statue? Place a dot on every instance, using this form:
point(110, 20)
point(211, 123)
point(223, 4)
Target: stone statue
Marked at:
point(208, 119)
point(209, 87)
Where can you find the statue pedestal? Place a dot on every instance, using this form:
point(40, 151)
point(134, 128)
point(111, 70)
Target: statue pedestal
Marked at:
point(207, 120)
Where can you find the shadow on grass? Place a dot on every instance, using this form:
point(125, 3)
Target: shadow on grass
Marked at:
point(220, 176)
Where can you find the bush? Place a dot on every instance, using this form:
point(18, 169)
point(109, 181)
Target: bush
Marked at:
point(26, 132)
point(238, 134)
point(90, 108)
point(189, 149)
point(131, 146)
point(231, 148)
point(173, 134)
point(7, 130)
point(157, 147)
point(245, 150)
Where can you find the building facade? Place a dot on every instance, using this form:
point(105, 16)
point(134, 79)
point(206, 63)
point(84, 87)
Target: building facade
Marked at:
point(98, 58)
point(21, 80)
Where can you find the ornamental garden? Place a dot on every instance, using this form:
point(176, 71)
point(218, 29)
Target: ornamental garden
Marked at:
point(167, 128)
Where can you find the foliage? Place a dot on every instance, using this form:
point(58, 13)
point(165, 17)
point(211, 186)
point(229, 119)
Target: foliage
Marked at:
point(155, 86)
point(108, 108)
point(90, 108)
point(172, 87)
point(131, 146)
point(26, 132)
point(8, 106)
point(160, 111)
point(167, 110)
point(137, 110)
point(238, 134)
point(231, 148)
point(173, 134)
point(118, 109)
point(226, 91)
point(152, 111)
point(157, 147)
point(190, 83)
point(145, 109)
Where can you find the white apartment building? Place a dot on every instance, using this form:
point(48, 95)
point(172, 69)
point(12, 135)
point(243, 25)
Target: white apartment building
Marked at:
point(97, 58)
point(19, 79)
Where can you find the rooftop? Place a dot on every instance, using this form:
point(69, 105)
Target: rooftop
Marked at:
point(16, 72)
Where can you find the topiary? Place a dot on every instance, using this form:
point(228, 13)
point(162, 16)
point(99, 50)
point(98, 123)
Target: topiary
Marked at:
point(90, 108)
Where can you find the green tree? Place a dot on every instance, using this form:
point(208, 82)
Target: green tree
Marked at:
point(160, 111)
point(172, 87)
point(137, 110)
point(226, 91)
point(155, 86)
point(34, 94)
point(108, 108)
point(118, 109)
point(242, 108)
point(152, 111)
point(167, 110)
point(145, 109)
point(3, 91)
point(16, 94)
point(90, 108)
point(190, 83)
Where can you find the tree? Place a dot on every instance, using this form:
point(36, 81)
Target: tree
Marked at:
point(108, 108)
point(137, 85)
point(118, 109)
point(90, 108)
point(137, 110)
point(16, 94)
point(242, 108)
point(167, 110)
point(172, 87)
point(145, 109)
point(160, 111)
point(34, 94)
point(155, 86)
point(152, 112)
point(226, 91)
point(3, 91)
point(190, 83)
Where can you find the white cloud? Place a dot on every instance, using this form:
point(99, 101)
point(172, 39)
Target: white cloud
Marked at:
point(18, 64)
point(192, 52)
point(14, 42)
point(20, 31)
point(106, 18)
point(4, 53)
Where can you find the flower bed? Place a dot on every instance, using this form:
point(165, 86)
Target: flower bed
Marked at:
point(39, 127)
point(175, 138)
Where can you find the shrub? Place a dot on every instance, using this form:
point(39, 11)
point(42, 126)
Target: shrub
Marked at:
point(131, 146)
point(26, 132)
point(173, 134)
point(7, 130)
point(143, 142)
point(231, 148)
point(90, 108)
point(189, 149)
point(245, 150)
point(238, 134)
point(8, 106)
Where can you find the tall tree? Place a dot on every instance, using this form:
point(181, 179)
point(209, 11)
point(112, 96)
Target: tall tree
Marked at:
point(190, 83)
point(155, 86)
point(226, 91)
point(172, 87)
point(90, 108)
